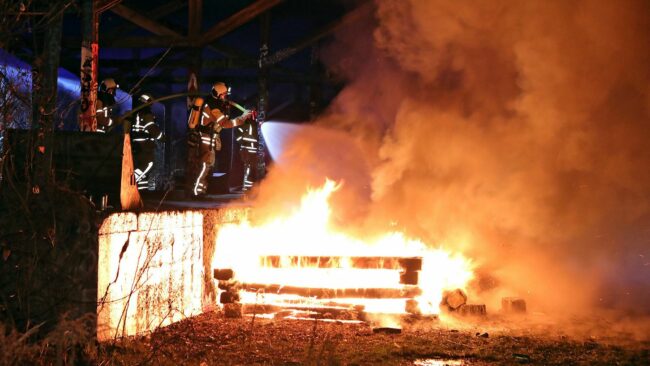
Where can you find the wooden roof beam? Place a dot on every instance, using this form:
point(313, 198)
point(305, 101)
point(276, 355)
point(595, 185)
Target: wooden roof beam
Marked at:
point(238, 19)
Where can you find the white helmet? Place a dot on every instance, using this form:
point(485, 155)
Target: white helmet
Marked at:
point(108, 84)
point(219, 88)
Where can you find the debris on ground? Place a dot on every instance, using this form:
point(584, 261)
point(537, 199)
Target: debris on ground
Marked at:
point(214, 339)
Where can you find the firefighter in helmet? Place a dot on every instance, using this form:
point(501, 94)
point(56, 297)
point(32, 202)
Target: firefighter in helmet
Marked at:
point(207, 118)
point(144, 133)
point(248, 138)
point(105, 103)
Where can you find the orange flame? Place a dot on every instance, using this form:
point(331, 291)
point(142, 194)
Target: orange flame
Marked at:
point(308, 233)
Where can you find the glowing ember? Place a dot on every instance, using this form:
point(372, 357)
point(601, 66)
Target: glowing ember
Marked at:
point(304, 254)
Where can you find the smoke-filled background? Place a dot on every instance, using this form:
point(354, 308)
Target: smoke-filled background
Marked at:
point(517, 132)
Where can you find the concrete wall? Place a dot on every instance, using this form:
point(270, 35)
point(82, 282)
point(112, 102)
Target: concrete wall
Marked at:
point(155, 268)
point(150, 271)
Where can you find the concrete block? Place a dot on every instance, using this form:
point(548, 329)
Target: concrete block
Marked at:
point(152, 277)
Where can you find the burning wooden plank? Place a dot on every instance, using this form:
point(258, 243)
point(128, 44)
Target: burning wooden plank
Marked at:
point(282, 261)
point(409, 277)
point(330, 293)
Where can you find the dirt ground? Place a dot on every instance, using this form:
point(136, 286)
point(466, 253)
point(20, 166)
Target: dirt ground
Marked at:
point(212, 339)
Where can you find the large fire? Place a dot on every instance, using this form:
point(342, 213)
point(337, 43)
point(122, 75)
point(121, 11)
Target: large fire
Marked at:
point(303, 259)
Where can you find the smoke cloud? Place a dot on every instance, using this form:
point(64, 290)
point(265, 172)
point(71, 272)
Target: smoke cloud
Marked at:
point(515, 132)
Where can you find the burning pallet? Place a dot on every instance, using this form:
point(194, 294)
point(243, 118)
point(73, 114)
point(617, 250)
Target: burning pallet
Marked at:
point(398, 295)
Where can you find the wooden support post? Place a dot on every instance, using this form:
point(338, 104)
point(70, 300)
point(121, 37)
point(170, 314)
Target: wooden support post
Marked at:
point(263, 90)
point(89, 66)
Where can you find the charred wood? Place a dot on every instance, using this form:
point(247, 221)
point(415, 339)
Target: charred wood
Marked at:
point(409, 278)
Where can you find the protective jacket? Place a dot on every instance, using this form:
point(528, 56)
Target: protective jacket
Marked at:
point(206, 120)
point(104, 112)
point(248, 138)
point(144, 134)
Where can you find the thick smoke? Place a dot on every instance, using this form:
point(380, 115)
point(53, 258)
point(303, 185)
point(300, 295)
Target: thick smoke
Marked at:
point(515, 131)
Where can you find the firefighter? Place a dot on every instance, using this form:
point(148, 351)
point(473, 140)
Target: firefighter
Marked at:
point(105, 103)
point(248, 138)
point(144, 133)
point(207, 118)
